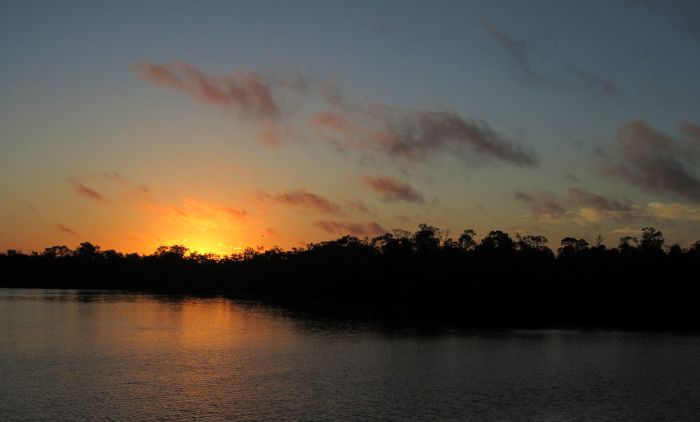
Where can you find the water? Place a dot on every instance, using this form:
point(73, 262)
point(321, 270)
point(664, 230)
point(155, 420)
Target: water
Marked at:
point(70, 355)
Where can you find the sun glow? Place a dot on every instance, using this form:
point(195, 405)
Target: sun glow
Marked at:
point(202, 226)
point(203, 244)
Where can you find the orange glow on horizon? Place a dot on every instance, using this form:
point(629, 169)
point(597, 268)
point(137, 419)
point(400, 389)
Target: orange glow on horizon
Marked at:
point(204, 245)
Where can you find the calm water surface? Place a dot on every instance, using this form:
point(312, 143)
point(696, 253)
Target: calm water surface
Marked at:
point(75, 355)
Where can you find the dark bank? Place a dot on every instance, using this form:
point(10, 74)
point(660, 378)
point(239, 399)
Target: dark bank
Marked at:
point(499, 281)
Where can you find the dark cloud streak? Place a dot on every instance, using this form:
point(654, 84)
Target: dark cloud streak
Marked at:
point(573, 75)
point(416, 135)
point(303, 199)
point(87, 192)
point(517, 50)
point(391, 189)
point(653, 162)
point(67, 230)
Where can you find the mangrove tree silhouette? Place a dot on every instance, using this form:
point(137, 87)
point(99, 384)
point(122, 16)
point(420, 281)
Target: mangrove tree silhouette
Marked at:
point(496, 280)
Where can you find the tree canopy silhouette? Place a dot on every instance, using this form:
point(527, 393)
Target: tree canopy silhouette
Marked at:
point(495, 280)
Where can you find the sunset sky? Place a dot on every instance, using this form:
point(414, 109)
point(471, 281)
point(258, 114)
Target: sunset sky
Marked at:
point(222, 125)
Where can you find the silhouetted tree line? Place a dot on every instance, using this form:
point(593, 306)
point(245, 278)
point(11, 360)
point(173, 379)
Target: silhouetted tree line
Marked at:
point(496, 280)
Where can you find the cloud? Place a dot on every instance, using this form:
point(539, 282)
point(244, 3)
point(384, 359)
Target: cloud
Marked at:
point(125, 188)
point(673, 211)
point(581, 206)
point(123, 181)
point(87, 192)
point(546, 206)
point(584, 79)
point(517, 50)
point(359, 207)
point(329, 92)
point(652, 211)
point(274, 134)
point(586, 198)
point(572, 177)
point(652, 161)
point(65, 229)
point(246, 92)
point(421, 132)
point(565, 73)
point(691, 130)
point(586, 208)
point(627, 231)
point(416, 135)
point(355, 229)
point(391, 189)
point(594, 208)
point(412, 135)
point(303, 199)
point(334, 121)
point(113, 183)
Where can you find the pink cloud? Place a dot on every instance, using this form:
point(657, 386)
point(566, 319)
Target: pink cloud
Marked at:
point(303, 199)
point(245, 91)
point(391, 189)
point(273, 134)
point(334, 121)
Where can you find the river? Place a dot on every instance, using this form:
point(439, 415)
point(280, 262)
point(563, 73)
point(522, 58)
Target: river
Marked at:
point(87, 355)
